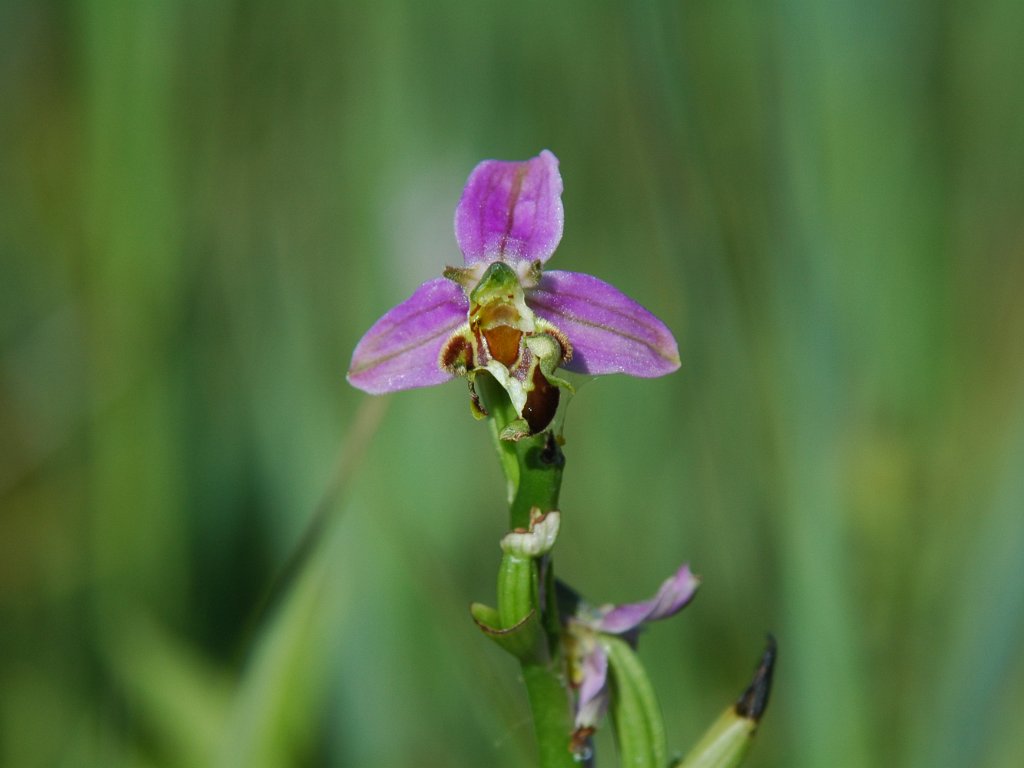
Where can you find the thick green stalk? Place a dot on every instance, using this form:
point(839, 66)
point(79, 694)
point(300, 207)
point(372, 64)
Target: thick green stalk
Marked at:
point(533, 468)
point(532, 465)
point(552, 718)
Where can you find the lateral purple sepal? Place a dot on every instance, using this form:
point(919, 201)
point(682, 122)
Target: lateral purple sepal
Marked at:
point(609, 332)
point(401, 350)
point(511, 211)
point(674, 593)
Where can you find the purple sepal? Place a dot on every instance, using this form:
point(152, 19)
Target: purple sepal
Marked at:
point(401, 350)
point(592, 699)
point(675, 592)
point(511, 211)
point(609, 332)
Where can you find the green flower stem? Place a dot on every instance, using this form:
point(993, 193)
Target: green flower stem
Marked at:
point(552, 715)
point(533, 468)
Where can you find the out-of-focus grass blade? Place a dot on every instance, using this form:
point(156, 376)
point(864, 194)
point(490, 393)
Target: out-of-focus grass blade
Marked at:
point(285, 682)
point(182, 698)
point(273, 717)
point(969, 673)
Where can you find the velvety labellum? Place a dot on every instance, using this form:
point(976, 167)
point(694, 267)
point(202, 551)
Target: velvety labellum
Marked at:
point(541, 402)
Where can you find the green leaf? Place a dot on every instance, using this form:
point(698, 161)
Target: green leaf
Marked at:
point(517, 589)
point(636, 716)
point(727, 741)
point(521, 639)
point(724, 744)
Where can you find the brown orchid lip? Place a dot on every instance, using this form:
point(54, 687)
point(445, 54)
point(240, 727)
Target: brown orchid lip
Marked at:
point(541, 402)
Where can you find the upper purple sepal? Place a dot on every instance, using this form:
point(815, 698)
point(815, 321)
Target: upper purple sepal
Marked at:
point(401, 350)
point(609, 332)
point(511, 211)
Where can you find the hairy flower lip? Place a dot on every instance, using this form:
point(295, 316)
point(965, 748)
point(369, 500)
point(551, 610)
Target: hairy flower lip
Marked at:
point(511, 213)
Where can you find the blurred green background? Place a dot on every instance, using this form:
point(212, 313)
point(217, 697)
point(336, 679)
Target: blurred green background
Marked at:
point(203, 205)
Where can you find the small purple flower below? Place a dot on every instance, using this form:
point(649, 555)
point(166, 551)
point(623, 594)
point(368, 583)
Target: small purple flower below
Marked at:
point(588, 659)
point(501, 313)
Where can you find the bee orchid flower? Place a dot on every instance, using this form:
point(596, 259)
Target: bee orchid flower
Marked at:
point(500, 312)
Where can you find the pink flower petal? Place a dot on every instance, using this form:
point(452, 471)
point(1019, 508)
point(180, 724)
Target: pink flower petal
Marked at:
point(609, 332)
point(592, 699)
point(401, 350)
point(511, 211)
point(675, 592)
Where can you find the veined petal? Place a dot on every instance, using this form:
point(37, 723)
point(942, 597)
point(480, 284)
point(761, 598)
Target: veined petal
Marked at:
point(401, 350)
point(511, 211)
point(592, 699)
point(675, 592)
point(608, 331)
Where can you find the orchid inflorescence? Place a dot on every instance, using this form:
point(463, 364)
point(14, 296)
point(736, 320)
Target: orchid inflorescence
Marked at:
point(508, 326)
